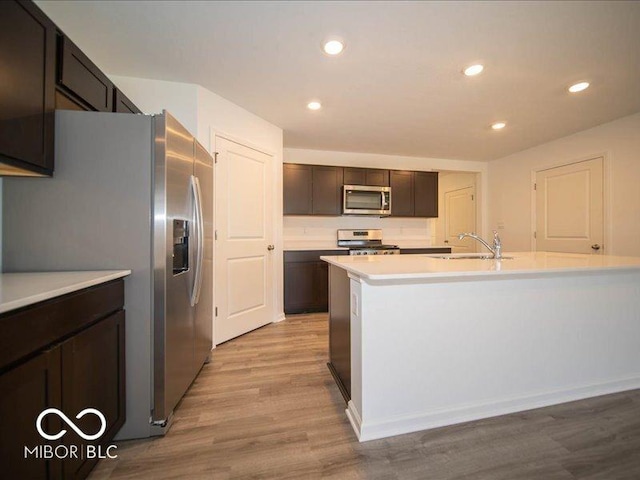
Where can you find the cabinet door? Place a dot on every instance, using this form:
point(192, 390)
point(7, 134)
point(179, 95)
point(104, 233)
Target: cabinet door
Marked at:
point(355, 176)
point(27, 72)
point(93, 375)
point(82, 77)
point(366, 176)
point(27, 390)
point(299, 287)
point(327, 190)
point(426, 194)
point(402, 195)
point(377, 177)
point(122, 104)
point(297, 189)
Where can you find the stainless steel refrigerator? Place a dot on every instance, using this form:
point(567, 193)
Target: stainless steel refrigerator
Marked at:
point(129, 192)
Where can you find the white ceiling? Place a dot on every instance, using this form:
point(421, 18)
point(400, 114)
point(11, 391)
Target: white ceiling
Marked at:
point(397, 88)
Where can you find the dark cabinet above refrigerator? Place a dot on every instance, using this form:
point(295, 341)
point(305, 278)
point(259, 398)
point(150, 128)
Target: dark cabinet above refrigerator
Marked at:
point(43, 70)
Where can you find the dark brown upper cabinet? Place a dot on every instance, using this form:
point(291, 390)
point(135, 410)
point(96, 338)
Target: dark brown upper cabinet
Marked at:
point(317, 189)
point(402, 193)
point(80, 77)
point(296, 182)
point(426, 194)
point(27, 68)
point(366, 176)
point(312, 189)
point(122, 104)
point(327, 190)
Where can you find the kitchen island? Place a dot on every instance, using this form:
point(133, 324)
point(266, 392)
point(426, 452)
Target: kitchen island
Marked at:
point(422, 341)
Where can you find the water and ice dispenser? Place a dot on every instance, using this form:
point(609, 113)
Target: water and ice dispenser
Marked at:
point(180, 246)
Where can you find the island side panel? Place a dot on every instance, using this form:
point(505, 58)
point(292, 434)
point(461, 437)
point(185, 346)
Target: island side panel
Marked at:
point(340, 329)
point(443, 353)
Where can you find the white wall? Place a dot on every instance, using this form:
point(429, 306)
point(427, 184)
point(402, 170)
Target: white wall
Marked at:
point(510, 186)
point(206, 114)
point(403, 231)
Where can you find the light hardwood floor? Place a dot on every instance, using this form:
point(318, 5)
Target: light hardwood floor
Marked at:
point(267, 407)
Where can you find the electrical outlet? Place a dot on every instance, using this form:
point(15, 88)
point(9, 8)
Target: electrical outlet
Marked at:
point(354, 304)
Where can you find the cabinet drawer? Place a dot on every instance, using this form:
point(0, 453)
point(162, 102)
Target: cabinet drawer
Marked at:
point(82, 77)
point(310, 255)
point(53, 320)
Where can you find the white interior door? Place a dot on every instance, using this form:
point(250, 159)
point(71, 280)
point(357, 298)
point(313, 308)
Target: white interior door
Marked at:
point(244, 296)
point(459, 217)
point(570, 208)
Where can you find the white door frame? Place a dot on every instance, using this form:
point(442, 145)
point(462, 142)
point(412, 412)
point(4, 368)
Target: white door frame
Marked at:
point(606, 196)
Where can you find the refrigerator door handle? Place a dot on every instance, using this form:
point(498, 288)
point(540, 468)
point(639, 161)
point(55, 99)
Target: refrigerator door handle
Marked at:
point(199, 221)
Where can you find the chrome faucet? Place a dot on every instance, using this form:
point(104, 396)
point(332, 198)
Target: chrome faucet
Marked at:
point(496, 250)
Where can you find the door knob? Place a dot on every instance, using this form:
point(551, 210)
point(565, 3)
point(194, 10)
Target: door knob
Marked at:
point(596, 247)
point(270, 247)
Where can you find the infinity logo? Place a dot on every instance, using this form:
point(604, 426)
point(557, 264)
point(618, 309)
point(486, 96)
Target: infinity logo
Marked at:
point(71, 424)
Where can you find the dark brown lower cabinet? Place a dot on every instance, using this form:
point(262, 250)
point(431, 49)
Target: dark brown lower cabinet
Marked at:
point(306, 281)
point(83, 367)
point(26, 391)
point(304, 287)
point(93, 376)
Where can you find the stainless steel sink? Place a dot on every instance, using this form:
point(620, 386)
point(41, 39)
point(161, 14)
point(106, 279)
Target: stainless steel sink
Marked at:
point(468, 257)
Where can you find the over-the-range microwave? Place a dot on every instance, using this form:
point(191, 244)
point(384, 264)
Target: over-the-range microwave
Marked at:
point(366, 200)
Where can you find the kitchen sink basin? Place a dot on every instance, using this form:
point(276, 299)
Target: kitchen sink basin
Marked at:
point(468, 257)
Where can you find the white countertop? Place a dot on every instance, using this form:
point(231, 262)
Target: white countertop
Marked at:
point(22, 289)
point(424, 268)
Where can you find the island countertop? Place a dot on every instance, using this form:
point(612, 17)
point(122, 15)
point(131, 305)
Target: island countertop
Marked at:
point(23, 289)
point(425, 268)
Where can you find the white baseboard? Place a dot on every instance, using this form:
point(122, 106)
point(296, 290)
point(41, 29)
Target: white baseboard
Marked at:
point(354, 418)
point(279, 317)
point(424, 421)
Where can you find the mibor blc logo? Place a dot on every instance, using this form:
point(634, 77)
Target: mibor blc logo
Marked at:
point(103, 424)
point(82, 451)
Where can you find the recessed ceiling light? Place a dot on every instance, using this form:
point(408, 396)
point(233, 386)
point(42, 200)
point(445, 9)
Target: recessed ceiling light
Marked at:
point(498, 125)
point(314, 105)
point(473, 70)
point(333, 47)
point(578, 87)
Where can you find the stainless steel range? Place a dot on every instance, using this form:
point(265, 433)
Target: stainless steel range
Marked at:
point(365, 242)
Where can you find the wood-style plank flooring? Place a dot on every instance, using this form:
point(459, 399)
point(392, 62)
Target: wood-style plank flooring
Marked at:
point(267, 408)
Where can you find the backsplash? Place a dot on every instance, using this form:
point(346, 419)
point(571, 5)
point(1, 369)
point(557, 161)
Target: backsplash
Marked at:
point(322, 230)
